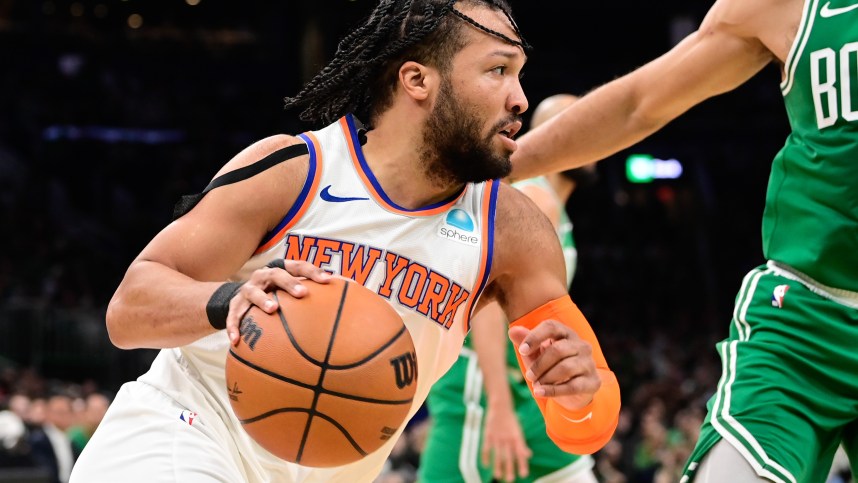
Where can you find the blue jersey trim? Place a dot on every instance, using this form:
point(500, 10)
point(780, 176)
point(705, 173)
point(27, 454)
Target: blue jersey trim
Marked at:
point(302, 197)
point(494, 185)
point(375, 184)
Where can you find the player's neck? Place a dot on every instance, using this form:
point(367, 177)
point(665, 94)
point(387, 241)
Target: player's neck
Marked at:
point(392, 153)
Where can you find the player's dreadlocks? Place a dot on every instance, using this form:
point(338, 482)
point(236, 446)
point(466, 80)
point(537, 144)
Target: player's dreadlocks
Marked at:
point(362, 76)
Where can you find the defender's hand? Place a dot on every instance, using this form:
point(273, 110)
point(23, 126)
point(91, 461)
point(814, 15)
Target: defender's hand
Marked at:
point(504, 447)
point(283, 274)
point(559, 363)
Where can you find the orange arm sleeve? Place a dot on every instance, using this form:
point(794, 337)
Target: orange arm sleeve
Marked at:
point(585, 430)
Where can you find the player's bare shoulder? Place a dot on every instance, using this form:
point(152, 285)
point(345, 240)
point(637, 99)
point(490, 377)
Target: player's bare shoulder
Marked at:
point(264, 148)
point(528, 268)
point(270, 193)
point(781, 27)
point(523, 234)
point(772, 23)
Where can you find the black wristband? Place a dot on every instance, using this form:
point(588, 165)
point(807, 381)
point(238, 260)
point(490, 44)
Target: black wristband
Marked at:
point(218, 307)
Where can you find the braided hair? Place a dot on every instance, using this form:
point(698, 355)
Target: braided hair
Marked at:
point(362, 76)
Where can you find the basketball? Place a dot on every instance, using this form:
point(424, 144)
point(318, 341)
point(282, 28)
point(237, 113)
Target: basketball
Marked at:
point(325, 380)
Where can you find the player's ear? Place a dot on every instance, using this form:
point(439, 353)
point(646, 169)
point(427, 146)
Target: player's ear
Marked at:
point(418, 80)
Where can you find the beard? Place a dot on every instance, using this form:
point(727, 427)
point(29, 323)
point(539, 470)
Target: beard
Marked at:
point(454, 149)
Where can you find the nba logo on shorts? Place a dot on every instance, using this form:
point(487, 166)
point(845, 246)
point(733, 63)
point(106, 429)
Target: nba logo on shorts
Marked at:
point(188, 417)
point(778, 296)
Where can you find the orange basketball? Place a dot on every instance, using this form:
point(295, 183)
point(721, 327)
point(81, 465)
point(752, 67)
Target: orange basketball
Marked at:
point(325, 380)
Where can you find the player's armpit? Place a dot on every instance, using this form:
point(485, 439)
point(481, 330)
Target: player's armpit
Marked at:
point(588, 429)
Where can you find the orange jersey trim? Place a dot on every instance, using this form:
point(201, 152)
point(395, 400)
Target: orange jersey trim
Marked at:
point(487, 253)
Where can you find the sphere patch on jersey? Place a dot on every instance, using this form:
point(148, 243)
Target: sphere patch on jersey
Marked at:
point(461, 220)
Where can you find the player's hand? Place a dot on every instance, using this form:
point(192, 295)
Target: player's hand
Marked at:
point(559, 363)
point(283, 274)
point(504, 447)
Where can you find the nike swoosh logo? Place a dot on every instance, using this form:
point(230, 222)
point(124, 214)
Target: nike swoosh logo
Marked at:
point(327, 196)
point(828, 12)
point(585, 418)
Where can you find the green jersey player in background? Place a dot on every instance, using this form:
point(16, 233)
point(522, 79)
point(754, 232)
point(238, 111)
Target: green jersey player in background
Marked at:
point(788, 395)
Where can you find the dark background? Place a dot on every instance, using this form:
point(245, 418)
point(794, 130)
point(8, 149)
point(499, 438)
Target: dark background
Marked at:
point(103, 126)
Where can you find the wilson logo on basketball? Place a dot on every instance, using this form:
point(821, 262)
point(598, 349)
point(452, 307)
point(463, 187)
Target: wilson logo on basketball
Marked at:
point(405, 367)
point(250, 331)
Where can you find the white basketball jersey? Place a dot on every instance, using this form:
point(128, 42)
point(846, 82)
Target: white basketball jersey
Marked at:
point(430, 264)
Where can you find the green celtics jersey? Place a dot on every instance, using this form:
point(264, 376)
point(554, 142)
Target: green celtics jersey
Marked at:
point(811, 216)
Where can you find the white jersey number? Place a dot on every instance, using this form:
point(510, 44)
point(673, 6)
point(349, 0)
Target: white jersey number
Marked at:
point(824, 65)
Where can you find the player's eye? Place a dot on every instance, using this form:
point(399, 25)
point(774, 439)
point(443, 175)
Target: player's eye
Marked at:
point(500, 70)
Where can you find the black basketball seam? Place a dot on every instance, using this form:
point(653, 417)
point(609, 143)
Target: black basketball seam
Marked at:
point(271, 413)
point(269, 373)
point(329, 366)
point(292, 337)
point(324, 416)
point(321, 390)
point(352, 397)
point(318, 389)
point(367, 358)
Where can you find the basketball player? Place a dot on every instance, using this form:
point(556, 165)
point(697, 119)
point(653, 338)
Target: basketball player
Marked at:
point(513, 446)
point(789, 392)
point(409, 207)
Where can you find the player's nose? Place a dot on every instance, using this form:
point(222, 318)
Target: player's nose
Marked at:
point(517, 100)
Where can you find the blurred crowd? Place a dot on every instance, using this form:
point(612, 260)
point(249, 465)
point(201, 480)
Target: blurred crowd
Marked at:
point(664, 404)
point(102, 129)
point(45, 424)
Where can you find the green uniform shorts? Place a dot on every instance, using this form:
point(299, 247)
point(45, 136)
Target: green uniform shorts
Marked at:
point(788, 393)
point(457, 404)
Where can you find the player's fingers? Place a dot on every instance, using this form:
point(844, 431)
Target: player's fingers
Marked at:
point(493, 460)
point(517, 335)
point(249, 294)
point(561, 360)
point(238, 306)
point(288, 274)
point(583, 385)
point(501, 462)
point(509, 464)
point(545, 331)
point(256, 295)
point(522, 455)
point(486, 453)
point(304, 269)
point(232, 328)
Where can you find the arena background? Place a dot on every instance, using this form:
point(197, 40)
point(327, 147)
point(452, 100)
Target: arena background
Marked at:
point(110, 110)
